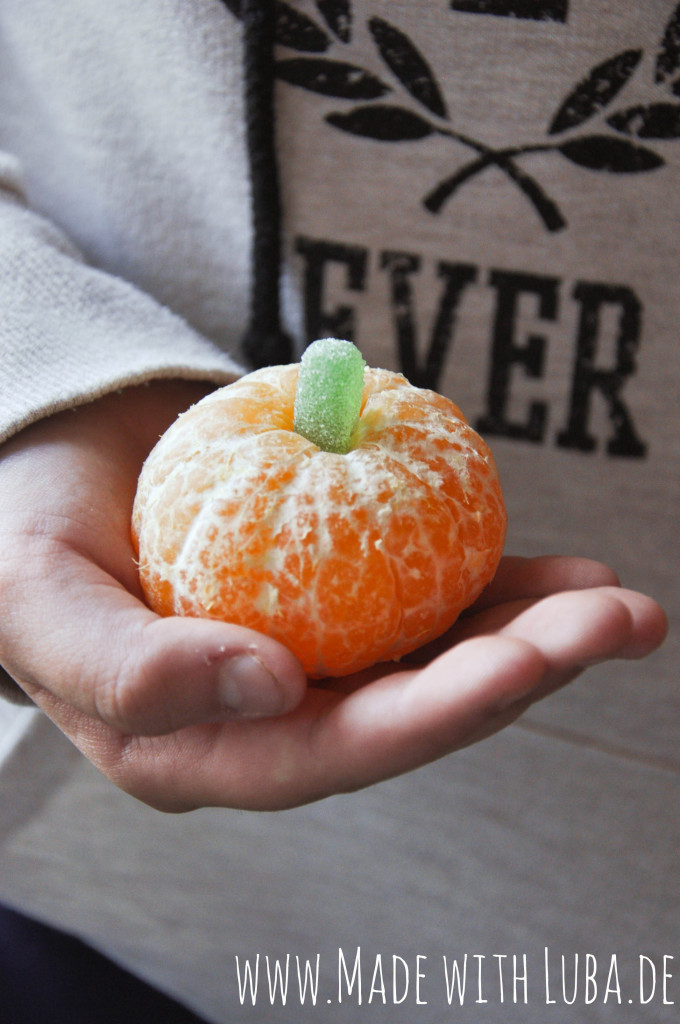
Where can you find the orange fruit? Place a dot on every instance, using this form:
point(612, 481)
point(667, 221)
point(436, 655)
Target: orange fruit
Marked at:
point(348, 559)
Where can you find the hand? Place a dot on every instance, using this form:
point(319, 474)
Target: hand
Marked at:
point(178, 713)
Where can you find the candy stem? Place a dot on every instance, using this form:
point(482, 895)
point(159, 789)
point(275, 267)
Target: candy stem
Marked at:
point(328, 397)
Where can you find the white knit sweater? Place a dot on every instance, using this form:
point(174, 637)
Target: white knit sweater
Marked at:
point(124, 228)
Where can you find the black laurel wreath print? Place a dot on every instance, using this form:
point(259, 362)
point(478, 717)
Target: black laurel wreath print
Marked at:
point(614, 147)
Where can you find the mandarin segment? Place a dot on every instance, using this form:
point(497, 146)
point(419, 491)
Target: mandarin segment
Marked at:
point(348, 559)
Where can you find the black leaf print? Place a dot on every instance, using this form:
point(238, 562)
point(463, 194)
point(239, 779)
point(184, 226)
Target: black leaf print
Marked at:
point(668, 58)
point(299, 32)
point(604, 153)
point(383, 123)
point(538, 10)
point(596, 91)
point(619, 153)
point(657, 121)
point(338, 16)
point(408, 64)
point(331, 78)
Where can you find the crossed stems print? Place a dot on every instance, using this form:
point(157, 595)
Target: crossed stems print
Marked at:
point(604, 151)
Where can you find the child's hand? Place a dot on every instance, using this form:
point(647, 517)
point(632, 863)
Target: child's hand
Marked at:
point(177, 712)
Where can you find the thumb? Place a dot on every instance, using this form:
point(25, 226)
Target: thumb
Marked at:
point(106, 654)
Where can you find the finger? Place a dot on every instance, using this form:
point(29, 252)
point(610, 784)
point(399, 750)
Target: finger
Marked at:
point(518, 578)
point(98, 648)
point(518, 583)
point(478, 687)
point(402, 722)
point(649, 624)
point(333, 744)
point(576, 629)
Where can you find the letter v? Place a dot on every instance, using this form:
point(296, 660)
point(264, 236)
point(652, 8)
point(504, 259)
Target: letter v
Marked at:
point(457, 276)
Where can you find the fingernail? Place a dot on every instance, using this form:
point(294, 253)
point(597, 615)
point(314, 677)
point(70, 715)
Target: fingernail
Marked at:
point(248, 689)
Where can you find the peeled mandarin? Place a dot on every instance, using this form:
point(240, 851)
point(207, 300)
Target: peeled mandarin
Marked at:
point(347, 557)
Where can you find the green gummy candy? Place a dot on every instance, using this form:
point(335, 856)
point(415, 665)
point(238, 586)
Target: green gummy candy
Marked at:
point(328, 397)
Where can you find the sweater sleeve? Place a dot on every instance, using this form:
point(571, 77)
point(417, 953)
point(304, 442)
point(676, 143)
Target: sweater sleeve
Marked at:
point(70, 332)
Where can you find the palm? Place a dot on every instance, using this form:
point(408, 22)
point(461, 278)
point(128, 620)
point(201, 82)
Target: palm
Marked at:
point(537, 625)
